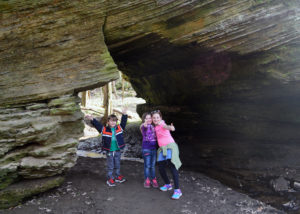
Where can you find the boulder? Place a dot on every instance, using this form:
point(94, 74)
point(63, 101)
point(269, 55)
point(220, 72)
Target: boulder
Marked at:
point(280, 184)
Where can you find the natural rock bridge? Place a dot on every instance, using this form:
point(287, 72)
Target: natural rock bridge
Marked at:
point(219, 69)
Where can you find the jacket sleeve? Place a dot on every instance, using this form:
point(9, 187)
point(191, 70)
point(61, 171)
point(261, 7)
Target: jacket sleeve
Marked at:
point(123, 121)
point(97, 125)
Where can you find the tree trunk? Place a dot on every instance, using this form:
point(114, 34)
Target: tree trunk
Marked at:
point(123, 81)
point(113, 83)
point(104, 93)
point(107, 101)
point(83, 99)
point(88, 95)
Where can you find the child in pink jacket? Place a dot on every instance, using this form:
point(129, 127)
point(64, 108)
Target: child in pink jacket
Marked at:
point(167, 154)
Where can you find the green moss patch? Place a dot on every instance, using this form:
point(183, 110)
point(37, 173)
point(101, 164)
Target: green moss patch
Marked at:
point(15, 193)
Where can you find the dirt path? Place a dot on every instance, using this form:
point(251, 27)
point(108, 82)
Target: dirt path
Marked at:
point(85, 191)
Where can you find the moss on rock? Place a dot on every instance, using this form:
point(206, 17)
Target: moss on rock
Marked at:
point(13, 195)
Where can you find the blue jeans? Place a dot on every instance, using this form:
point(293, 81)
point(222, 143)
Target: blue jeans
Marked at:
point(149, 156)
point(113, 162)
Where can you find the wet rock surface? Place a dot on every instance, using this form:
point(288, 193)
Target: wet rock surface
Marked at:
point(85, 191)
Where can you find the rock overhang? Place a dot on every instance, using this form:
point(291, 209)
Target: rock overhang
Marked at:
point(230, 67)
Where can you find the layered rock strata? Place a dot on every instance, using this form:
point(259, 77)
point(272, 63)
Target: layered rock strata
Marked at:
point(215, 67)
point(38, 140)
point(226, 73)
point(49, 51)
point(52, 48)
point(228, 66)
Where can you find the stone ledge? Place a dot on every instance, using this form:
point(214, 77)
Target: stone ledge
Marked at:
point(17, 192)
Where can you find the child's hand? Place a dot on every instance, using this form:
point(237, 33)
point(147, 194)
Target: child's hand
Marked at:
point(124, 110)
point(172, 128)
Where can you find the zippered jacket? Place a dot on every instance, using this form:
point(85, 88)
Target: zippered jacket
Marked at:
point(107, 133)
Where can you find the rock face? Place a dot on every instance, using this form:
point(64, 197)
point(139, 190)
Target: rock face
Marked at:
point(49, 51)
point(221, 64)
point(38, 140)
point(225, 69)
point(226, 73)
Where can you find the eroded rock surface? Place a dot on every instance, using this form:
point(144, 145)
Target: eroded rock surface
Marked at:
point(51, 48)
point(38, 140)
point(49, 51)
point(215, 67)
point(226, 73)
point(230, 67)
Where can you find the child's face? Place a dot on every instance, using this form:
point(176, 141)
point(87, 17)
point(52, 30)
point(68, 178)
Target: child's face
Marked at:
point(112, 123)
point(148, 119)
point(156, 118)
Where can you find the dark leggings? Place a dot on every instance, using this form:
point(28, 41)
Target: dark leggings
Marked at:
point(162, 165)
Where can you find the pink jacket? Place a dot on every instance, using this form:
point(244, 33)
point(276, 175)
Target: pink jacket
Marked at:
point(163, 135)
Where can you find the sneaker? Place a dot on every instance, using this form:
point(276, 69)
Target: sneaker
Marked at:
point(166, 187)
point(111, 182)
point(120, 179)
point(147, 183)
point(177, 194)
point(154, 183)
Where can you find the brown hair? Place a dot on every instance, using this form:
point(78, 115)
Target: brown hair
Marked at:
point(156, 112)
point(112, 117)
point(145, 115)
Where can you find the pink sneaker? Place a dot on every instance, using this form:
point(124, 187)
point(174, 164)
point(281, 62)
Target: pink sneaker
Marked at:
point(154, 183)
point(147, 183)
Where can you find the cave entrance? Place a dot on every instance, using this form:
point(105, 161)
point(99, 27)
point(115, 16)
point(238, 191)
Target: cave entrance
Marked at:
point(107, 99)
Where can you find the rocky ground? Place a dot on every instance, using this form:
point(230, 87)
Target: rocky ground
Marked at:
point(85, 191)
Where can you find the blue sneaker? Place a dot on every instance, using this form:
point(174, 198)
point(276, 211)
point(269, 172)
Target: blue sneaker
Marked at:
point(166, 187)
point(177, 194)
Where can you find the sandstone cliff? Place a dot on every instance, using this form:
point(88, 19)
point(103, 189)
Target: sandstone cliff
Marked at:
point(226, 73)
point(220, 67)
point(49, 51)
